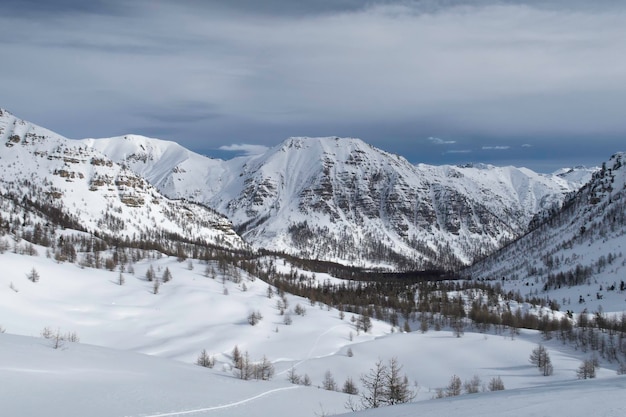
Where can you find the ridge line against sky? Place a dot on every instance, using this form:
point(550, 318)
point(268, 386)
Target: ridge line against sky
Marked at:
point(529, 83)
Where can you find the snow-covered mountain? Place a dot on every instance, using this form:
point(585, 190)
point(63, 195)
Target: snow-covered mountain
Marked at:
point(336, 199)
point(580, 244)
point(343, 200)
point(76, 185)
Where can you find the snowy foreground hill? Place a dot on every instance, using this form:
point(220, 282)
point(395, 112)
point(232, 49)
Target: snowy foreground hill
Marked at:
point(149, 343)
point(336, 199)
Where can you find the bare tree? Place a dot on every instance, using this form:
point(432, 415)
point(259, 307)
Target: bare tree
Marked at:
point(454, 387)
point(245, 370)
point(205, 360)
point(329, 382)
point(264, 370)
point(373, 395)
point(33, 275)
point(58, 338)
point(496, 384)
point(349, 387)
point(167, 275)
point(236, 355)
point(254, 318)
point(473, 385)
point(292, 376)
point(541, 359)
point(587, 369)
point(397, 389)
point(150, 273)
point(299, 310)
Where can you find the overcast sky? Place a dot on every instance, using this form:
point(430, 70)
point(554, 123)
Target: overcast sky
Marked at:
point(530, 83)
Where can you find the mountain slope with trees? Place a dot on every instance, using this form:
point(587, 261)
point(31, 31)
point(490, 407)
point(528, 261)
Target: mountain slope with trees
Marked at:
point(48, 179)
point(342, 200)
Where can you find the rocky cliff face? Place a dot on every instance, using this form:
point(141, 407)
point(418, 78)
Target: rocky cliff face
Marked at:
point(95, 193)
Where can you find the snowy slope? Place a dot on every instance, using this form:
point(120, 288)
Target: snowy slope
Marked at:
point(340, 199)
point(575, 255)
point(576, 399)
point(193, 312)
point(96, 193)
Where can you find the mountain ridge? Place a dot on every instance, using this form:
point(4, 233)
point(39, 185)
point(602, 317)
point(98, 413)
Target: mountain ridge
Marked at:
point(333, 199)
point(348, 191)
point(41, 168)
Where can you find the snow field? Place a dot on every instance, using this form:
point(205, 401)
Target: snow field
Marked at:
point(191, 313)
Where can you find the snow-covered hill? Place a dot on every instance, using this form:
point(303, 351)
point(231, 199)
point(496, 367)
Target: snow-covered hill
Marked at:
point(43, 172)
point(340, 199)
point(194, 312)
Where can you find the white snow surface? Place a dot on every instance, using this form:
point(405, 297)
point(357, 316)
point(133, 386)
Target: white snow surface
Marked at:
point(143, 364)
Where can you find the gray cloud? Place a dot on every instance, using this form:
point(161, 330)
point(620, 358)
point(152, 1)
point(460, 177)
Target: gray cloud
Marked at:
point(213, 73)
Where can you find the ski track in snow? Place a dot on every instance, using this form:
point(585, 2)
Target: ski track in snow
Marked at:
point(220, 407)
point(308, 356)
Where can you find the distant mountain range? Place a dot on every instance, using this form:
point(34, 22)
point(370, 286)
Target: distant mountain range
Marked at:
point(335, 199)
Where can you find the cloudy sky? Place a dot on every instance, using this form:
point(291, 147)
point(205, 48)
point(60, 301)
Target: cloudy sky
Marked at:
point(534, 83)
